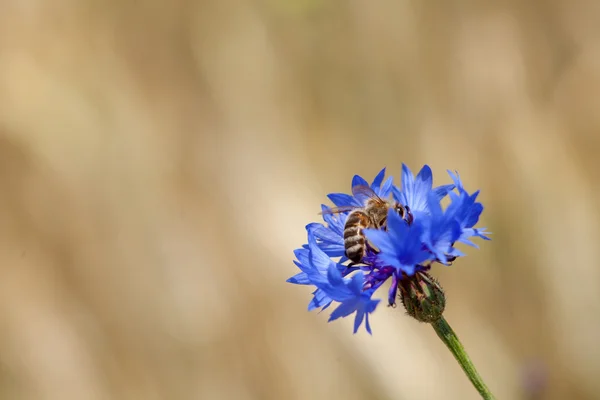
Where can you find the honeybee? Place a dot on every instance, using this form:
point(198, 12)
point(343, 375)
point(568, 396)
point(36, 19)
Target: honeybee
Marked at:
point(373, 214)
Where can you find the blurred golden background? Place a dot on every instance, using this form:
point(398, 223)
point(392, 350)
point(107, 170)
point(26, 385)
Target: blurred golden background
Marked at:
point(159, 161)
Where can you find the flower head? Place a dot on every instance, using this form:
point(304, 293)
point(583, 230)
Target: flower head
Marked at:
point(403, 248)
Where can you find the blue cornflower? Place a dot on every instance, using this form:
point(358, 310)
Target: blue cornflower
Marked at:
point(403, 248)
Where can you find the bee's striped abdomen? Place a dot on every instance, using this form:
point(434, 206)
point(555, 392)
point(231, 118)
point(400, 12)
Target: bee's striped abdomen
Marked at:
point(354, 239)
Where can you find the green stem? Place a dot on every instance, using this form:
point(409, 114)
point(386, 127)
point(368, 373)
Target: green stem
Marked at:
point(445, 332)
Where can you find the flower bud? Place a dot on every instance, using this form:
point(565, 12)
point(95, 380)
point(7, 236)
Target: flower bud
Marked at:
point(422, 296)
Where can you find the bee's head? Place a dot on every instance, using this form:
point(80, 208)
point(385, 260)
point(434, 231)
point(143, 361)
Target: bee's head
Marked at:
point(399, 208)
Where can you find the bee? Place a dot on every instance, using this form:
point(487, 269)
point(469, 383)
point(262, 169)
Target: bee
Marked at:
point(373, 214)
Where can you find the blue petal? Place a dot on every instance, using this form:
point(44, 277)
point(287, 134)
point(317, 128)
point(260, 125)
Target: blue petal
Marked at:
point(368, 324)
point(358, 180)
point(343, 310)
point(474, 214)
point(360, 315)
point(299, 279)
point(330, 242)
point(422, 187)
point(401, 246)
point(384, 191)
point(481, 232)
point(343, 199)
point(335, 222)
point(318, 258)
point(335, 277)
point(303, 256)
point(456, 253)
point(433, 203)
point(397, 227)
point(415, 190)
point(380, 239)
point(466, 241)
point(442, 230)
point(398, 195)
point(361, 304)
point(376, 185)
point(356, 284)
point(319, 300)
point(408, 179)
point(442, 191)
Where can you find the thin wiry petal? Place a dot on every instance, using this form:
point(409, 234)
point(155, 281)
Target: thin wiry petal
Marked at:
point(481, 233)
point(463, 239)
point(368, 324)
point(456, 179)
point(470, 232)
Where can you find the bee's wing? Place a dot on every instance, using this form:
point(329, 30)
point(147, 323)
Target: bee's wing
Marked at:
point(337, 210)
point(364, 193)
